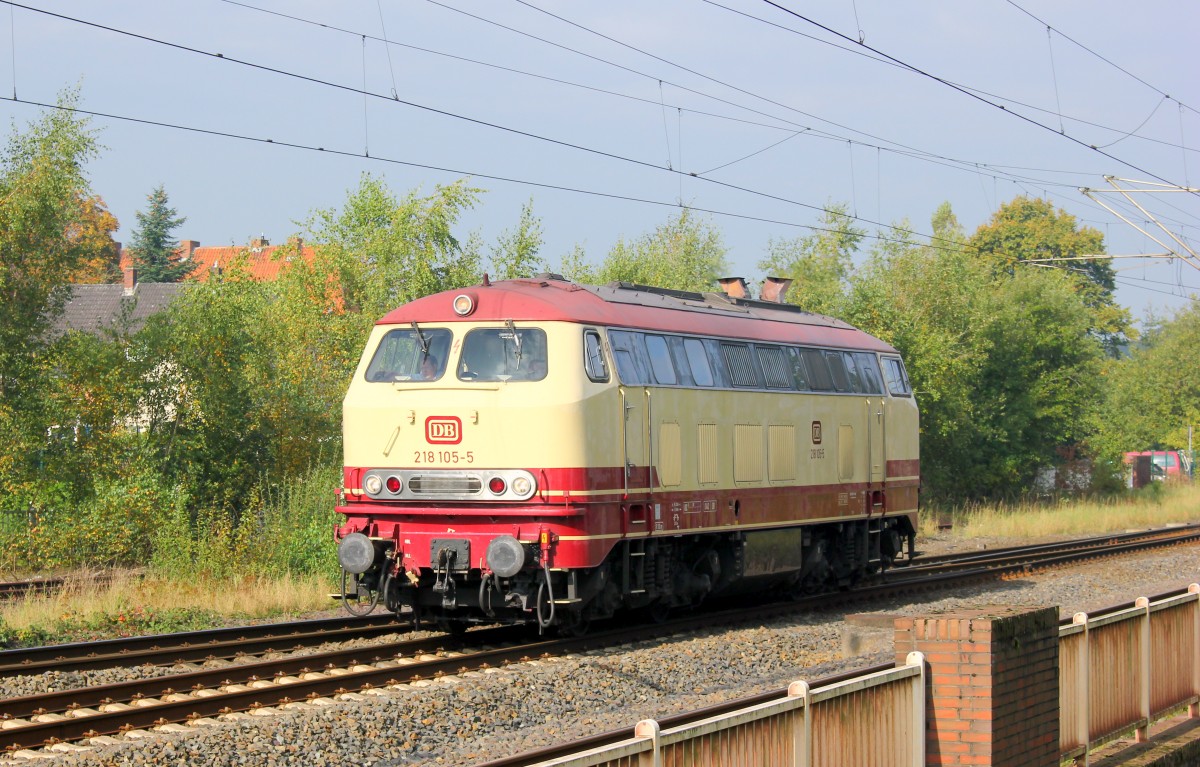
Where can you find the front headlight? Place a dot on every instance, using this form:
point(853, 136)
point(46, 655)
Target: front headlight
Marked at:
point(373, 484)
point(522, 486)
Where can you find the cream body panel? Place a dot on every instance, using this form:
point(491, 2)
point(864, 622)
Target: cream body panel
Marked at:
point(515, 424)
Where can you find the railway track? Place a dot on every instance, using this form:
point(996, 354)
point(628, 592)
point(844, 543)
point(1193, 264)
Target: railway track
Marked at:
point(197, 698)
point(193, 646)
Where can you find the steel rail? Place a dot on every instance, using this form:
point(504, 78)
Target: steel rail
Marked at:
point(194, 645)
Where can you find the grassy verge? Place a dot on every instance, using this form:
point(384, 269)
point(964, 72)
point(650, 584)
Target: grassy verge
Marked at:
point(130, 605)
point(1157, 505)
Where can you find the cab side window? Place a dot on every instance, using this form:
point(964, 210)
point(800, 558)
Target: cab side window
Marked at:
point(896, 378)
point(593, 357)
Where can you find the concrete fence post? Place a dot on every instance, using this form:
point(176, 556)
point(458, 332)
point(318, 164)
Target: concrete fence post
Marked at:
point(1142, 734)
point(1194, 706)
point(1083, 689)
point(802, 751)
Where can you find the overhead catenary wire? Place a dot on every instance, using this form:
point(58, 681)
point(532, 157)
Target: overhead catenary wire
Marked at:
point(789, 126)
point(921, 72)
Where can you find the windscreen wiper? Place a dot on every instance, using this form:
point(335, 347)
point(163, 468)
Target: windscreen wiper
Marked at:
point(423, 339)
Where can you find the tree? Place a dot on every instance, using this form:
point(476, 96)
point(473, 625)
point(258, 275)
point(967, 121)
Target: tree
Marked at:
point(155, 251)
point(44, 193)
point(818, 264)
point(1028, 229)
point(381, 251)
point(515, 252)
point(1153, 396)
point(685, 253)
point(94, 232)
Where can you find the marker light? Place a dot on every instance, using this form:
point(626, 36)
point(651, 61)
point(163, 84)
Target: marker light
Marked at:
point(394, 484)
point(496, 485)
point(464, 304)
point(373, 484)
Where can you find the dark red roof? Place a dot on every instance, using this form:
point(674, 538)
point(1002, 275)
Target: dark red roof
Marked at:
point(619, 305)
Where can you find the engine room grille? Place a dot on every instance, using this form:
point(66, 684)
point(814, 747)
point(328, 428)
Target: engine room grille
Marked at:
point(440, 485)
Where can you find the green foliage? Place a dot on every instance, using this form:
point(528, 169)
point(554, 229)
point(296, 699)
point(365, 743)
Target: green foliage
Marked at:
point(686, 253)
point(381, 251)
point(1028, 229)
point(45, 198)
point(819, 264)
point(1153, 396)
point(155, 250)
point(515, 253)
point(1004, 365)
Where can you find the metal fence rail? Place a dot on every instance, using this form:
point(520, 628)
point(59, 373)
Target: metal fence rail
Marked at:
point(1123, 670)
point(876, 720)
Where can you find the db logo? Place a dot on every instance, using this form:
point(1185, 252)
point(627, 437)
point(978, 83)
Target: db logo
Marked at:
point(816, 432)
point(443, 430)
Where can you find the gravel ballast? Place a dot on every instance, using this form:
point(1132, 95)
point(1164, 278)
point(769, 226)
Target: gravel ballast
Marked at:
point(480, 716)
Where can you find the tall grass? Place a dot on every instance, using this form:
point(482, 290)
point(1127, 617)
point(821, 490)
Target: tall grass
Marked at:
point(131, 604)
point(1154, 506)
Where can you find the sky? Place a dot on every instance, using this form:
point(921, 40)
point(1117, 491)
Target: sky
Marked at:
point(609, 116)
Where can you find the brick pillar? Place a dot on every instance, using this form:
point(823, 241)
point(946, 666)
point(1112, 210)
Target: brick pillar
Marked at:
point(993, 684)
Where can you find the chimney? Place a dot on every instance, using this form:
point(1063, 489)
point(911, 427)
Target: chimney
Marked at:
point(260, 242)
point(130, 283)
point(774, 289)
point(734, 287)
point(187, 248)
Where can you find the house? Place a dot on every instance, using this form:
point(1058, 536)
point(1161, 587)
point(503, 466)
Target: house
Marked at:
point(96, 308)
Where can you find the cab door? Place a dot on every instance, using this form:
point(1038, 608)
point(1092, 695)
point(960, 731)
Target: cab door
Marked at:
point(636, 451)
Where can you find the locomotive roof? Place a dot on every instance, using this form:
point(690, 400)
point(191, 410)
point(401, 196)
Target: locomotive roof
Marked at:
point(550, 297)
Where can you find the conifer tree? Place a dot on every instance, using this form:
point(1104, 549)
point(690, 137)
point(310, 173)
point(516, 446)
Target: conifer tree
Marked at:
point(155, 251)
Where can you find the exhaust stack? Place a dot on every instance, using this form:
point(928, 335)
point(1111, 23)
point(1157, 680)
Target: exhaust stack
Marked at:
point(734, 287)
point(775, 289)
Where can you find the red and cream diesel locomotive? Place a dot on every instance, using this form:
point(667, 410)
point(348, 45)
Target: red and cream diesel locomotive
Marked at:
point(539, 451)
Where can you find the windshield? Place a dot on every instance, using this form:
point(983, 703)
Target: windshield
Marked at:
point(503, 354)
point(410, 354)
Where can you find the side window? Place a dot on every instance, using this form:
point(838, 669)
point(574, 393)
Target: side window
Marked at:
point(698, 362)
point(630, 356)
point(852, 372)
point(868, 373)
point(837, 368)
point(818, 370)
point(796, 365)
point(660, 360)
point(740, 364)
point(775, 367)
point(716, 363)
point(593, 357)
point(896, 378)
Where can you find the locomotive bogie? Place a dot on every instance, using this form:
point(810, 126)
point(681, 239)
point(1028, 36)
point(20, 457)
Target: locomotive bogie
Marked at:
point(562, 454)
